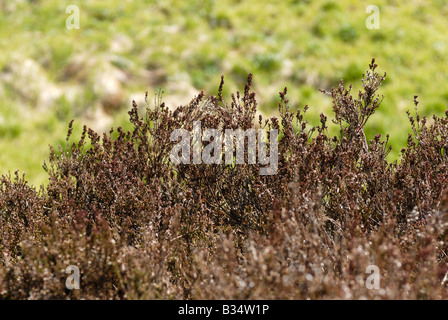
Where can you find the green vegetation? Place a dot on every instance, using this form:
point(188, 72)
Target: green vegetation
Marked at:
point(49, 74)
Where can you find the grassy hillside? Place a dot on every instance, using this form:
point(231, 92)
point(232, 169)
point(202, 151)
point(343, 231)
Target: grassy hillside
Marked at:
point(49, 74)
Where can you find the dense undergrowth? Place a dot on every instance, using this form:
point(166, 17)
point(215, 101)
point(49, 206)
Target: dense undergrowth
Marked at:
point(49, 74)
point(140, 227)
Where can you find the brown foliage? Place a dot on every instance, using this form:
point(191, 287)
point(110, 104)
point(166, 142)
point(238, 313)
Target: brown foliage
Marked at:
point(140, 227)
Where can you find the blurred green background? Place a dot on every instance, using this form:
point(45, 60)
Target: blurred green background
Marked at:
point(50, 74)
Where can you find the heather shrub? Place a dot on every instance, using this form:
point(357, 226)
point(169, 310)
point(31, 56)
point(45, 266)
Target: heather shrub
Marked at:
point(139, 226)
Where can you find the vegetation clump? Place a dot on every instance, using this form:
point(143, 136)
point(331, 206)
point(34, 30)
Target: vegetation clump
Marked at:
point(140, 227)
